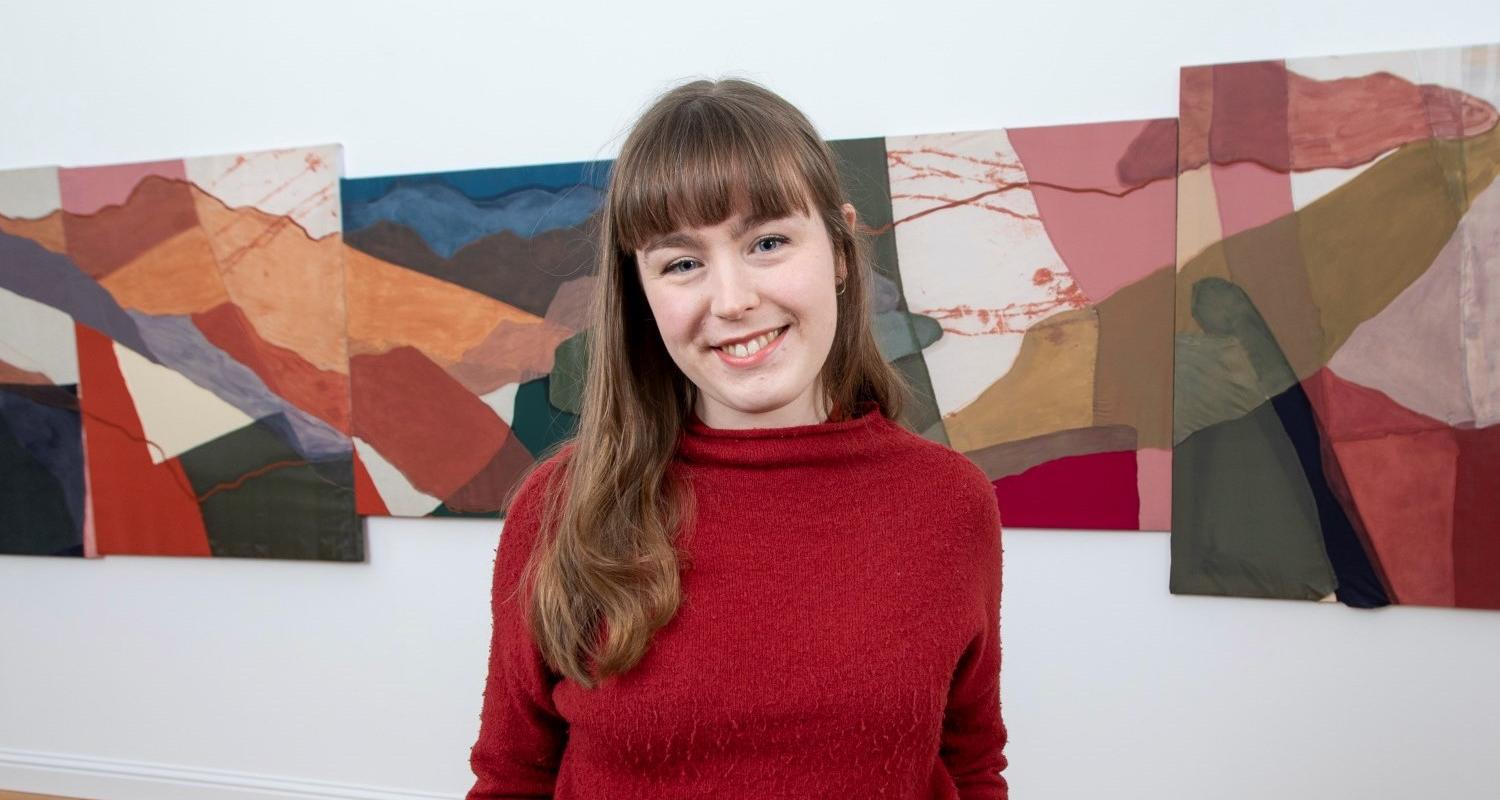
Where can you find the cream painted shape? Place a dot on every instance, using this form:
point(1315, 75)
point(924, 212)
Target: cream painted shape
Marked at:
point(400, 497)
point(175, 413)
point(38, 338)
point(972, 259)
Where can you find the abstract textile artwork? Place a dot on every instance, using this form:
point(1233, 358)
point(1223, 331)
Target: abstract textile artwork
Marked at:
point(1337, 379)
point(1045, 257)
point(468, 293)
point(173, 374)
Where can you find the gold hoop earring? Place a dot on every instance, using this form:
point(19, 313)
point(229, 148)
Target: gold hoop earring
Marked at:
point(841, 287)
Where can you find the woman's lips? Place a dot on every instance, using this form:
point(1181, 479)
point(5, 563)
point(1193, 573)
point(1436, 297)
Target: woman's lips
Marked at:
point(755, 358)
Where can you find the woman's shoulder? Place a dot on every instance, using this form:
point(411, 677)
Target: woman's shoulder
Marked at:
point(538, 481)
point(942, 468)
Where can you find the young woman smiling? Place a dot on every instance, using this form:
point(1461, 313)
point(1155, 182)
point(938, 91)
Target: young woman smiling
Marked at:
point(742, 577)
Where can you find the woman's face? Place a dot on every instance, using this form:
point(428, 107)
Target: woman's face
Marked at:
point(746, 308)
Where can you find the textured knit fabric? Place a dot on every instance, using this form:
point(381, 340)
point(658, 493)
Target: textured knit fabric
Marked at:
point(839, 635)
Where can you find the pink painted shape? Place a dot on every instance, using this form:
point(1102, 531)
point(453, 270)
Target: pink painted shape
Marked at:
point(1403, 487)
point(85, 190)
point(1153, 480)
point(1431, 347)
point(1250, 195)
point(1108, 234)
point(90, 537)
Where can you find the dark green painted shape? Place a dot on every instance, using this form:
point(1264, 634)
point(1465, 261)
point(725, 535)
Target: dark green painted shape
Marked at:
point(862, 167)
point(299, 511)
point(34, 516)
point(1223, 308)
point(444, 511)
point(536, 422)
point(569, 373)
point(1213, 381)
point(1244, 521)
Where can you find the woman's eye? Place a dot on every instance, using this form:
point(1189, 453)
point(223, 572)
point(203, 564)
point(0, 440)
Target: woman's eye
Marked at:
point(766, 244)
point(681, 262)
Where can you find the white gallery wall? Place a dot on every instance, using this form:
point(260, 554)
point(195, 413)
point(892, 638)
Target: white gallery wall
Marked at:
point(161, 678)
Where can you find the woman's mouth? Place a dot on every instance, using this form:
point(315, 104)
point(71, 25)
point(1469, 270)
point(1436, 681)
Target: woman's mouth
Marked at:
point(753, 352)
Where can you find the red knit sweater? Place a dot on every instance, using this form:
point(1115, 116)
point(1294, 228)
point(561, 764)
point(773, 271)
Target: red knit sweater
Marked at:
point(839, 635)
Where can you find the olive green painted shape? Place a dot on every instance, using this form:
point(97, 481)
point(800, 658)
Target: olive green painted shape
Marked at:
point(570, 369)
point(261, 499)
point(1244, 522)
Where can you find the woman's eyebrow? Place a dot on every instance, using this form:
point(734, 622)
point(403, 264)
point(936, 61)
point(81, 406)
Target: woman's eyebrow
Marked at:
point(688, 239)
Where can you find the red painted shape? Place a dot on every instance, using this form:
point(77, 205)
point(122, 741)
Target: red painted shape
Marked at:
point(367, 500)
point(1403, 487)
point(425, 423)
point(1476, 519)
point(319, 392)
point(1348, 411)
point(1095, 491)
point(138, 507)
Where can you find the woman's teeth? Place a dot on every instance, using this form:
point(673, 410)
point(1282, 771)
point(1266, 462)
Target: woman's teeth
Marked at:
point(749, 348)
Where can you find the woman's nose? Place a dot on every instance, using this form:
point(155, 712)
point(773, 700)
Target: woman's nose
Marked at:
point(734, 290)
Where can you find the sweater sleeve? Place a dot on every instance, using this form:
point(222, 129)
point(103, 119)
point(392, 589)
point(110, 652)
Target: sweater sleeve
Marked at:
point(521, 734)
point(974, 736)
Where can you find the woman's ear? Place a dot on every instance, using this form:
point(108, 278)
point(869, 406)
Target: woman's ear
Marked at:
point(850, 217)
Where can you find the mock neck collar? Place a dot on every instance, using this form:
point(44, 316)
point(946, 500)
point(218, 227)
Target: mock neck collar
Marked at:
point(797, 444)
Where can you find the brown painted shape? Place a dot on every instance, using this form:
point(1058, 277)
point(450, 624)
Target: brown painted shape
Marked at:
point(1270, 266)
point(177, 276)
point(157, 209)
point(1133, 376)
point(1371, 238)
point(46, 231)
point(1250, 115)
point(322, 393)
point(1013, 458)
point(1152, 155)
point(570, 306)
point(1049, 388)
point(424, 423)
point(289, 285)
point(486, 493)
point(1361, 244)
point(511, 353)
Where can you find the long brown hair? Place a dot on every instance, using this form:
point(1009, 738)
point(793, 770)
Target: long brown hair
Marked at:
point(607, 577)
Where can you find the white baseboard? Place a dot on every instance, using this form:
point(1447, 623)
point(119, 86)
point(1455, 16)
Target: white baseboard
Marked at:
point(113, 779)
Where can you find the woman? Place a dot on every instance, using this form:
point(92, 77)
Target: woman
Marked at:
point(742, 578)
